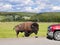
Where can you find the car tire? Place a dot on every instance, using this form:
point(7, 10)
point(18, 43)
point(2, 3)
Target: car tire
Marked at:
point(57, 35)
point(48, 37)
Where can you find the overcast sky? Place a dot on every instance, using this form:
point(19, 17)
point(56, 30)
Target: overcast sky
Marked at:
point(29, 6)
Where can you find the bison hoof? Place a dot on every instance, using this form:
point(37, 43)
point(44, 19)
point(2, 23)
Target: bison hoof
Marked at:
point(36, 36)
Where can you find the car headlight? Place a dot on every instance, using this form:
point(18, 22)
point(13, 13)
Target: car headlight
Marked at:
point(49, 28)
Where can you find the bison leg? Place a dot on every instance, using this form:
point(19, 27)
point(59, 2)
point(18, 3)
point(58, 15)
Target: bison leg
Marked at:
point(17, 32)
point(36, 34)
point(27, 34)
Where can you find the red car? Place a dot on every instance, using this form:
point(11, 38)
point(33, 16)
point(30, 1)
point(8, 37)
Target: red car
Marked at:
point(54, 32)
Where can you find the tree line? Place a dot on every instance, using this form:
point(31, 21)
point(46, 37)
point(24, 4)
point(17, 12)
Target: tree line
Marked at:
point(47, 17)
point(22, 16)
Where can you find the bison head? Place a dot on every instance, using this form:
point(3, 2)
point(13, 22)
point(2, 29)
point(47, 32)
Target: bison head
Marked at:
point(35, 26)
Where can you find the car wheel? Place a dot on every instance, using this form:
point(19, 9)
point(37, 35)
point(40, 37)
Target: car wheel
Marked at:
point(48, 37)
point(57, 35)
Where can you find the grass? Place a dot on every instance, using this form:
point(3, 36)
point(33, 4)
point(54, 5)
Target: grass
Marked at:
point(6, 29)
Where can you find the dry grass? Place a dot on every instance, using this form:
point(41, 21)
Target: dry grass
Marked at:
point(6, 29)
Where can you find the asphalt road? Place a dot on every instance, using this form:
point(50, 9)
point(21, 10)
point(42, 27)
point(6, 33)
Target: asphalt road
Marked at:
point(28, 41)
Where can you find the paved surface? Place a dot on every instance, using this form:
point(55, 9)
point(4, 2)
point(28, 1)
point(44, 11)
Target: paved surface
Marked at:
point(28, 41)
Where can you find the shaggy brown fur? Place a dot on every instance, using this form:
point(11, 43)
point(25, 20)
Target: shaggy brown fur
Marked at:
point(27, 27)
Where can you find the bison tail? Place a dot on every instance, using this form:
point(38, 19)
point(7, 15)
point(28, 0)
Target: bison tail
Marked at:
point(16, 27)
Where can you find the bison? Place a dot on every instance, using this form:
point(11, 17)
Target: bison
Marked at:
point(28, 28)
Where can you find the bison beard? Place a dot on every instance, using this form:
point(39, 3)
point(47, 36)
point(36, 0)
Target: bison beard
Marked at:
point(27, 27)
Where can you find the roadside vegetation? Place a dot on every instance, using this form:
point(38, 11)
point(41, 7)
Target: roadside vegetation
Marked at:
point(9, 19)
point(6, 29)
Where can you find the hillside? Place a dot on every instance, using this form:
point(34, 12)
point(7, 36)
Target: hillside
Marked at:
point(47, 17)
point(17, 13)
point(26, 16)
point(49, 13)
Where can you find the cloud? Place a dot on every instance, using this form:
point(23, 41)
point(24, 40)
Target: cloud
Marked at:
point(5, 7)
point(33, 6)
point(20, 1)
point(56, 8)
point(29, 5)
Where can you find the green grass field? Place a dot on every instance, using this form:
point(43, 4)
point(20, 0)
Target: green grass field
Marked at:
point(6, 29)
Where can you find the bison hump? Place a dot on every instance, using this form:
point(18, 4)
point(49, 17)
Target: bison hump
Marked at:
point(25, 26)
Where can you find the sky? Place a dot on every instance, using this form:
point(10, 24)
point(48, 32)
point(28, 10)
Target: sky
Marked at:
point(30, 6)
